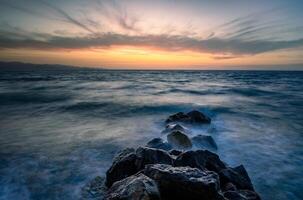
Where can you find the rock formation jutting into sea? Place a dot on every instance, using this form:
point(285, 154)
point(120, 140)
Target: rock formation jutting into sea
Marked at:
point(171, 170)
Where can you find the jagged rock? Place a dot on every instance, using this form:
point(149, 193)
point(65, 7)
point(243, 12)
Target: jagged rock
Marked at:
point(158, 143)
point(124, 165)
point(228, 187)
point(241, 195)
point(191, 117)
point(202, 159)
point(175, 127)
point(135, 187)
point(129, 162)
point(175, 152)
point(179, 140)
point(184, 182)
point(204, 142)
point(237, 176)
point(95, 189)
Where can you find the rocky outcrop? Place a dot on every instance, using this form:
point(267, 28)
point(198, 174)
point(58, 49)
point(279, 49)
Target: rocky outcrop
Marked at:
point(175, 127)
point(184, 182)
point(135, 187)
point(191, 117)
point(204, 142)
point(158, 143)
point(179, 140)
point(165, 170)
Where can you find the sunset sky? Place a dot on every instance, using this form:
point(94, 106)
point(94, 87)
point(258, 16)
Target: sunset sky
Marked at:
point(153, 34)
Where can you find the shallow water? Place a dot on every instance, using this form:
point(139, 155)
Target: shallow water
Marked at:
point(59, 129)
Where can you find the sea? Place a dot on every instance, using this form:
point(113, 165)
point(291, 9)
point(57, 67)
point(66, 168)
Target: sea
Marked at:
point(61, 128)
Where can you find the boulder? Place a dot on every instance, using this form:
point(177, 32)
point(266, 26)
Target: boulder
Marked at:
point(175, 127)
point(124, 165)
point(201, 159)
point(191, 117)
point(135, 187)
point(179, 140)
point(237, 176)
point(241, 195)
point(184, 182)
point(204, 142)
point(128, 162)
point(158, 143)
point(95, 189)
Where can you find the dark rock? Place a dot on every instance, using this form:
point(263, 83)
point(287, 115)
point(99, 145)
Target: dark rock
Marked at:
point(184, 182)
point(198, 117)
point(95, 189)
point(202, 159)
point(124, 165)
point(136, 187)
point(238, 176)
point(128, 162)
point(241, 195)
point(228, 187)
point(158, 143)
point(179, 140)
point(191, 117)
point(204, 142)
point(175, 152)
point(175, 127)
point(151, 156)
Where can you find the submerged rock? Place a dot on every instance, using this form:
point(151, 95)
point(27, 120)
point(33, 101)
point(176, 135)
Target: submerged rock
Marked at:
point(135, 187)
point(175, 127)
point(184, 182)
point(128, 162)
point(241, 195)
point(237, 176)
point(201, 159)
point(158, 143)
point(204, 142)
point(191, 117)
point(95, 189)
point(179, 140)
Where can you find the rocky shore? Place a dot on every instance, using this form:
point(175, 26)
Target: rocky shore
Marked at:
point(172, 170)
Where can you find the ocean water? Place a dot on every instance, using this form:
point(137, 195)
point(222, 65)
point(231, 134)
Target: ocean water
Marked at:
point(60, 129)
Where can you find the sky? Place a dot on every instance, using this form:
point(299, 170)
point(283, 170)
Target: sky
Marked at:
point(167, 34)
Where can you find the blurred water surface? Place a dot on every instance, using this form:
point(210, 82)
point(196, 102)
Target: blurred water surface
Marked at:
point(59, 129)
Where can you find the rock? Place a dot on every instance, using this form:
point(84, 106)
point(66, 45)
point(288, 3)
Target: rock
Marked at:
point(202, 159)
point(179, 140)
point(135, 187)
point(237, 176)
point(95, 189)
point(184, 182)
point(241, 195)
point(151, 156)
point(158, 143)
point(198, 117)
point(228, 187)
point(175, 152)
point(191, 117)
point(175, 127)
point(204, 142)
point(124, 165)
point(128, 162)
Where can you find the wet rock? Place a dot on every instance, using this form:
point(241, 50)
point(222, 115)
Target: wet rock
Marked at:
point(124, 165)
point(184, 182)
point(158, 143)
point(136, 187)
point(175, 152)
point(191, 117)
point(95, 189)
point(241, 195)
point(204, 142)
point(128, 162)
point(237, 176)
point(179, 140)
point(175, 127)
point(152, 156)
point(202, 159)
point(228, 187)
